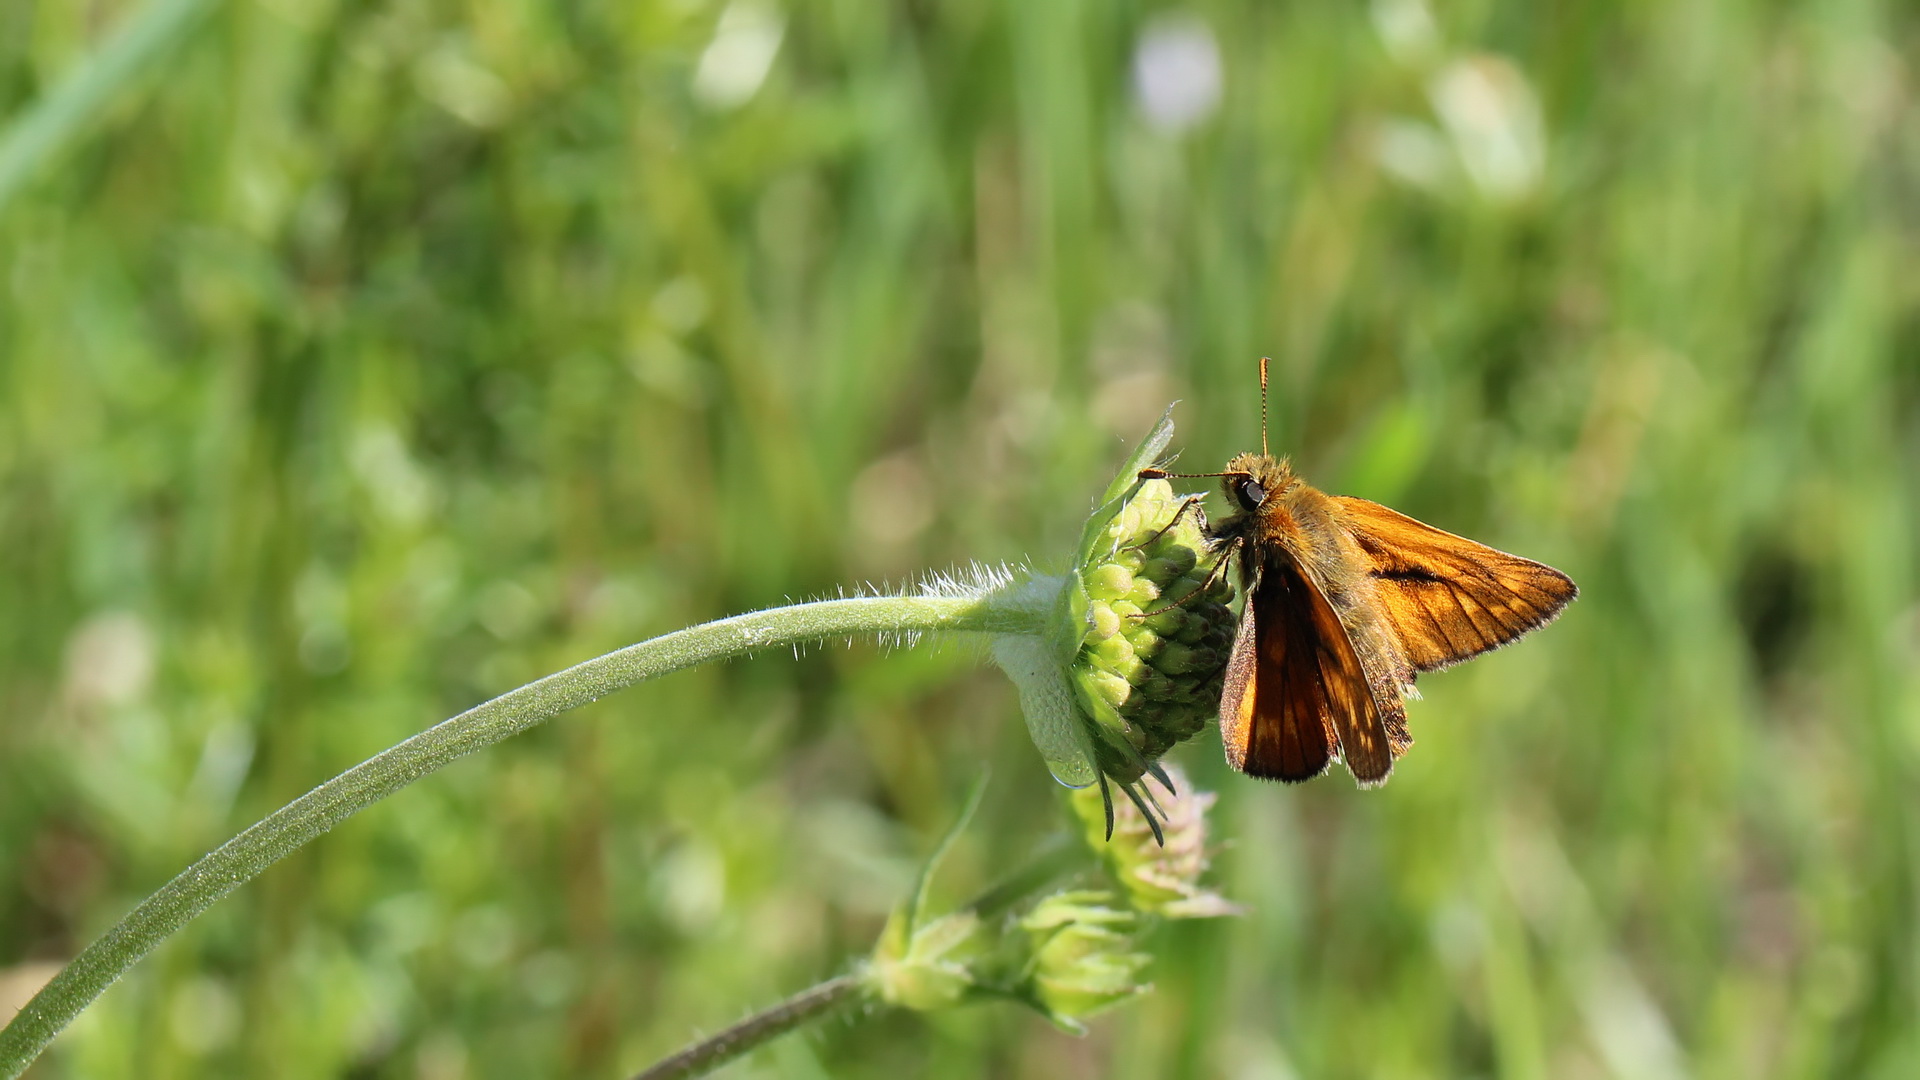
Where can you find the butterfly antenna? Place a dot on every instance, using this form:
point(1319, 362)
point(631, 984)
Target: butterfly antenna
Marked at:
point(1263, 406)
point(1162, 474)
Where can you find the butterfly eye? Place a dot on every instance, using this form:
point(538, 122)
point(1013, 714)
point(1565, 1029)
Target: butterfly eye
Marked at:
point(1250, 494)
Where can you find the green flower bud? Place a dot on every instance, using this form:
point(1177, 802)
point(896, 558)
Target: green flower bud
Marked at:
point(1082, 959)
point(1104, 622)
point(1170, 621)
point(1146, 643)
point(1170, 562)
point(1191, 632)
point(1116, 655)
point(1145, 592)
point(1109, 582)
point(1159, 688)
point(1109, 687)
point(1177, 659)
point(1159, 878)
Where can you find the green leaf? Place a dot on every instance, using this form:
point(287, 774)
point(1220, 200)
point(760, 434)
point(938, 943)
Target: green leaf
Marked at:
point(917, 900)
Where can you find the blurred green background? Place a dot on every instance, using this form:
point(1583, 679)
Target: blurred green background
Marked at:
point(362, 360)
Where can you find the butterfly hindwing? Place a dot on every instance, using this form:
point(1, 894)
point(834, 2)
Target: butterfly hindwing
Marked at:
point(1295, 691)
point(1366, 745)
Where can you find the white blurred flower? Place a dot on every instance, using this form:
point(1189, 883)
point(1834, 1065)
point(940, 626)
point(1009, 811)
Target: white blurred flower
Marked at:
point(1176, 72)
point(1406, 29)
point(1490, 113)
point(205, 1015)
point(110, 660)
point(452, 78)
point(737, 60)
point(681, 304)
point(1415, 154)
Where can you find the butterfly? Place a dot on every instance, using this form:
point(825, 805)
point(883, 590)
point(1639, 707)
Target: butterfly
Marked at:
point(1346, 601)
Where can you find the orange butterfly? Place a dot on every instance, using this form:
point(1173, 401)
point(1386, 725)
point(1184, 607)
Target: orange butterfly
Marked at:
point(1345, 603)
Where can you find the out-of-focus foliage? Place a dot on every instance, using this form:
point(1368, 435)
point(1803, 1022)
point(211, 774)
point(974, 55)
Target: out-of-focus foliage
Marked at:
point(370, 358)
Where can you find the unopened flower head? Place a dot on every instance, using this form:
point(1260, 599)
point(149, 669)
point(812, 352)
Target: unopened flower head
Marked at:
point(927, 967)
point(1135, 657)
point(1156, 630)
point(1159, 878)
point(1082, 958)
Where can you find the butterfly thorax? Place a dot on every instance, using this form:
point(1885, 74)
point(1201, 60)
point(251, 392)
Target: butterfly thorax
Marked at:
point(1282, 518)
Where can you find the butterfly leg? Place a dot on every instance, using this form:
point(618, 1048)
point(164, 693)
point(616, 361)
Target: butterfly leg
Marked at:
point(1218, 566)
point(1186, 504)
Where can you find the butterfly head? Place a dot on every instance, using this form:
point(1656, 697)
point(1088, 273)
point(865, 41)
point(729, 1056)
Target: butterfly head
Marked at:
point(1252, 479)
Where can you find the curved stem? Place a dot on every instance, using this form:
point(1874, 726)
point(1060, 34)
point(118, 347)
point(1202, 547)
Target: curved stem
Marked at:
point(709, 1054)
point(1005, 611)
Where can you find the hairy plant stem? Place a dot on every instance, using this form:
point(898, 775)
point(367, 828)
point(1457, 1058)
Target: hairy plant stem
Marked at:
point(1000, 611)
point(709, 1054)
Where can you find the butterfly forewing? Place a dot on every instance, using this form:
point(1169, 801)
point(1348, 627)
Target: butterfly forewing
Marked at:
point(1446, 597)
